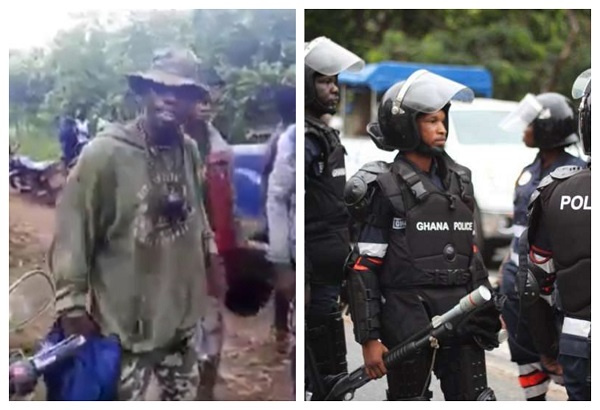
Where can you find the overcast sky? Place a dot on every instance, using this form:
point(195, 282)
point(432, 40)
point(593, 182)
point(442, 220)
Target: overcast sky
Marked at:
point(30, 29)
point(37, 29)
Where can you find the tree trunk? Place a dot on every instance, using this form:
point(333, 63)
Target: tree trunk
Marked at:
point(565, 53)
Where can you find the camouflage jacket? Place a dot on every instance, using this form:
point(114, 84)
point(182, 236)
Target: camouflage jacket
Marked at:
point(114, 255)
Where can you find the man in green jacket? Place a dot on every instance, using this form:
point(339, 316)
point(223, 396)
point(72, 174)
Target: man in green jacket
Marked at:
point(132, 244)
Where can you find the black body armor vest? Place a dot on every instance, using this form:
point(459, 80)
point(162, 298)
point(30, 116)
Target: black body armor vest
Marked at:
point(431, 237)
point(325, 210)
point(564, 201)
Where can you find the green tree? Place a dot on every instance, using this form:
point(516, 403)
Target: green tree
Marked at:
point(525, 50)
point(84, 67)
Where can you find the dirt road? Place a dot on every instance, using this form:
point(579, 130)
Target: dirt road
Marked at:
point(250, 369)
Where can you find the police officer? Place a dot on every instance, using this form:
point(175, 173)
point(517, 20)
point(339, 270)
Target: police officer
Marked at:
point(326, 217)
point(559, 272)
point(548, 122)
point(415, 253)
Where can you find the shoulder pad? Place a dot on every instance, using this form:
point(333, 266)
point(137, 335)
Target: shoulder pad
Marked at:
point(375, 167)
point(536, 194)
point(315, 127)
point(311, 127)
point(358, 184)
point(547, 180)
point(323, 134)
point(558, 174)
point(355, 190)
point(463, 172)
point(565, 172)
point(309, 130)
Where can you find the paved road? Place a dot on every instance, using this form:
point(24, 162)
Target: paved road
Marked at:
point(502, 375)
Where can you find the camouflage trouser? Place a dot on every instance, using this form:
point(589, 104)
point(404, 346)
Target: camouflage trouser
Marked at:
point(176, 373)
point(208, 343)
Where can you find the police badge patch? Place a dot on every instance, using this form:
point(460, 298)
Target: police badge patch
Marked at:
point(321, 166)
point(399, 223)
point(524, 178)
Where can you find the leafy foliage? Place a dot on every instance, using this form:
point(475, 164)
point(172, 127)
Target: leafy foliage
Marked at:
point(526, 50)
point(84, 67)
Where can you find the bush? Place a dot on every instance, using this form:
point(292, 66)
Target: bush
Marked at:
point(39, 143)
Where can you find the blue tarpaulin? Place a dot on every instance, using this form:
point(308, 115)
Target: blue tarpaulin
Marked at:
point(381, 76)
point(248, 167)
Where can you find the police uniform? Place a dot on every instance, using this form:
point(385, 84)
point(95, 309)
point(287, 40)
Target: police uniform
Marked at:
point(415, 257)
point(548, 122)
point(326, 218)
point(559, 237)
point(420, 243)
point(555, 274)
point(327, 243)
point(532, 377)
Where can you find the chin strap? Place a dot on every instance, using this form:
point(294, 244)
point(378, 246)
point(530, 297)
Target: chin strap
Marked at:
point(425, 149)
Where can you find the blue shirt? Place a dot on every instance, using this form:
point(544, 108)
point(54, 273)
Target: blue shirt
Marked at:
point(526, 184)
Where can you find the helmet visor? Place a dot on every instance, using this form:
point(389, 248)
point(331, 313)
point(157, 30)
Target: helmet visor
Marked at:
point(581, 83)
point(329, 58)
point(519, 119)
point(427, 92)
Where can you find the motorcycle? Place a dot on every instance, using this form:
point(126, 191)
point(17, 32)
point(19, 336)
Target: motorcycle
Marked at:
point(33, 178)
point(29, 297)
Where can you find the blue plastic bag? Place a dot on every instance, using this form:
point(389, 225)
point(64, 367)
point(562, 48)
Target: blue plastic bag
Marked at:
point(92, 373)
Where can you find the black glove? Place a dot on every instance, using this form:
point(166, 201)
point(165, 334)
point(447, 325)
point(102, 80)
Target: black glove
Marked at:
point(484, 324)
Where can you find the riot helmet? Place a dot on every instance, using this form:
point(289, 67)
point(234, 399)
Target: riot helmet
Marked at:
point(423, 92)
point(323, 57)
point(550, 114)
point(582, 88)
